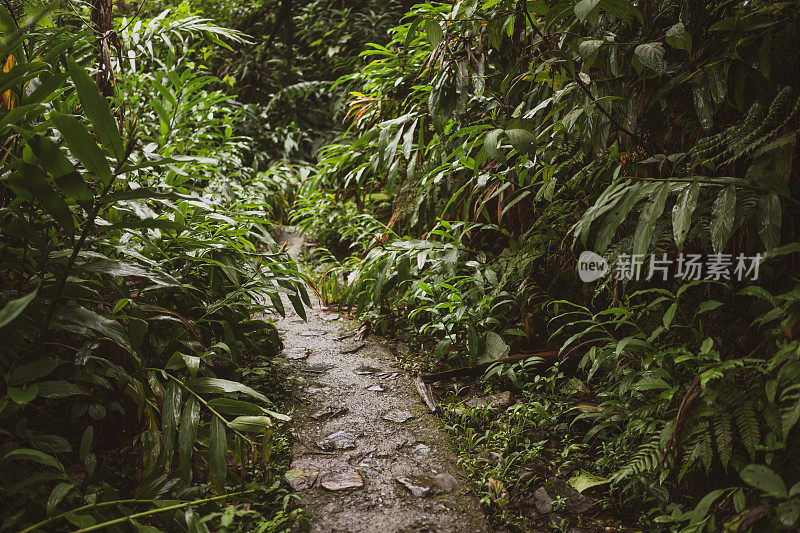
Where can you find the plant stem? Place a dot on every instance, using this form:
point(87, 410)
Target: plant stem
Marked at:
point(157, 511)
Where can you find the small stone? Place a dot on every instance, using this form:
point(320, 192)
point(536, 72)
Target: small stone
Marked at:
point(423, 486)
point(376, 388)
point(365, 370)
point(317, 369)
point(352, 348)
point(340, 440)
point(398, 415)
point(502, 400)
point(342, 476)
point(543, 501)
point(329, 412)
point(295, 353)
point(331, 317)
point(476, 402)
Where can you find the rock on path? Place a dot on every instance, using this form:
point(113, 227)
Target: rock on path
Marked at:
point(370, 456)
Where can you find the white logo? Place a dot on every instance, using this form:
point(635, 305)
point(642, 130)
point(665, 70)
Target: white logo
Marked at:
point(591, 266)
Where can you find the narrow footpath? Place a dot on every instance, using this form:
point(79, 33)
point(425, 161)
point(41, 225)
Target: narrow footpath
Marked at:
point(369, 455)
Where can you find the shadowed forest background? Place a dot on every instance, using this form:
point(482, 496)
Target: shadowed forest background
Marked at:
point(451, 161)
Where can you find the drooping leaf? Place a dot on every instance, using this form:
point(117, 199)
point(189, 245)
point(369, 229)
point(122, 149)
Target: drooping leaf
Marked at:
point(14, 307)
point(647, 220)
point(96, 108)
point(490, 145)
point(82, 146)
point(682, 212)
point(223, 386)
point(434, 32)
point(584, 480)
point(190, 419)
point(217, 448)
point(769, 214)
point(722, 217)
point(584, 8)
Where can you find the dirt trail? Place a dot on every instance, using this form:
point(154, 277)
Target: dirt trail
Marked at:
point(362, 427)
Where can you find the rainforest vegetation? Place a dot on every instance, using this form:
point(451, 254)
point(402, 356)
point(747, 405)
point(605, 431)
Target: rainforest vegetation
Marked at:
point(452, 161)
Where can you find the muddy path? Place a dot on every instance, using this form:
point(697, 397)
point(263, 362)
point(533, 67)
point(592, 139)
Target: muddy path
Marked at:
point(369, 456)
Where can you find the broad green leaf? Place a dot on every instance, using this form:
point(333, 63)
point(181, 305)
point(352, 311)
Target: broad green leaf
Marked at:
point(490, 145)
point(228, 406)
point(647, 220)
point(80, 320)
point(584, 480)
point(682, 212)
point(86, 442)
point(722, 216)
point(496, 348)
point(14, 307)
point(56, 390)
point(190, 418)
point(250, 423)
point(82, 146)
point(27, 454)
point(96, 108)
point(584, 8)
point(702, 98)
point(523, 141)
point(37, 184)
point(669, 315)
point(33, 370)
point(678, 37)
point(434, 32)
point(217, 448)
point(652, 56)
point(769, 215)
point(223, 386)
point(23, 395)
point(56, 495)
point(764, 479)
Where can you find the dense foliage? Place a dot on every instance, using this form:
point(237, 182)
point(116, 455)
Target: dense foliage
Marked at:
point(137, 264)
point(489, 143)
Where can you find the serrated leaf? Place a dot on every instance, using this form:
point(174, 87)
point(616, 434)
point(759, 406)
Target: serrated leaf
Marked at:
point(652, 56)
point(722, 216)
point(682, 212)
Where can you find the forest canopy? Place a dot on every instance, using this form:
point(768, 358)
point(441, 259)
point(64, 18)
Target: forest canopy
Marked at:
point(455, 164)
